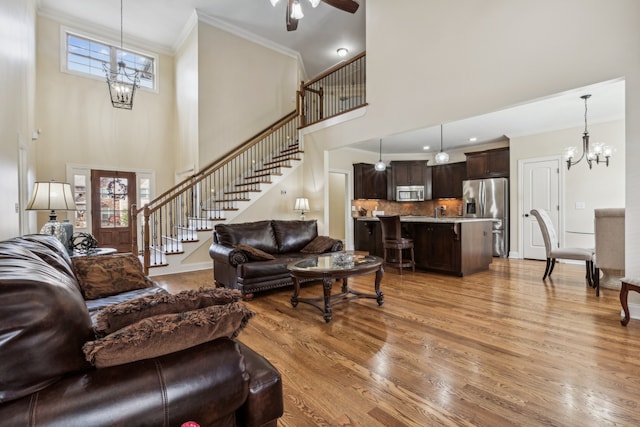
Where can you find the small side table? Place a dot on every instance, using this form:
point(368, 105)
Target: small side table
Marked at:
point(95, 252)
point(627, 284)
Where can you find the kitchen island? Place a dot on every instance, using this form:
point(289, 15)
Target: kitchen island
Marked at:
point(454, 245)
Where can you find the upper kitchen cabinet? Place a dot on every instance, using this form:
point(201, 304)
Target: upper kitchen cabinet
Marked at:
point(409, 172)
point(488, 164)
point(368, 183)
point(447, 180)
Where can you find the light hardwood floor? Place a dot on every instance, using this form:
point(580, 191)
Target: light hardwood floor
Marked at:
point(495, 348)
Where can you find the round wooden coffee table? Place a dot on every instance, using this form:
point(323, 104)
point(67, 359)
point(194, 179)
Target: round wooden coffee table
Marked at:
point(332, 267)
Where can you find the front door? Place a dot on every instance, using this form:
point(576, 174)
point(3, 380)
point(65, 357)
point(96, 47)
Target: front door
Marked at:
point(112, 194)
point(541, 190)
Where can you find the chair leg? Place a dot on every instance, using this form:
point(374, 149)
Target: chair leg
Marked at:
point(596, 280)
point(413, 261)
point(546, 269)
point(553, 264)
point(400, 260)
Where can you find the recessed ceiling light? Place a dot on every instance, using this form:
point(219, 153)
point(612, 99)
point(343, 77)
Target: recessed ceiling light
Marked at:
point(426, 147)
point(473, 139)
point(342, 52)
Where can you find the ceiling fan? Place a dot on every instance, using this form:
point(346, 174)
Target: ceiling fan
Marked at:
point(294, 11)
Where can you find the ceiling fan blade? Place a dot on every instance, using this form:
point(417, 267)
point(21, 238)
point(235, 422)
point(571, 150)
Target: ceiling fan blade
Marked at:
point(292, 23)
point(346, 5)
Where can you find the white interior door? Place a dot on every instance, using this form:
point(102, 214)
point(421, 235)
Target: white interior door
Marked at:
point(540, 190)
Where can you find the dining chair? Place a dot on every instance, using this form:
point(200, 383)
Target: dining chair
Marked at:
point(392, 240)
point(554, 251)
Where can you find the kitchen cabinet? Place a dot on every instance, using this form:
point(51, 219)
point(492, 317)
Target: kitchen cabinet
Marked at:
point(446, 180)
point(368, 183)
point(411, 172)
point(488, 164)
point(436, 246)
point(368, 236)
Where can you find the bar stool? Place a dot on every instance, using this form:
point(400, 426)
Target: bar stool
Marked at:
point(392, 240)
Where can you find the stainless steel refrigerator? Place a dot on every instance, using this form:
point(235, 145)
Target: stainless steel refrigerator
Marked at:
point(489, 198)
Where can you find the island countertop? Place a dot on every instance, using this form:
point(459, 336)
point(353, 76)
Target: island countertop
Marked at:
point(424, 218)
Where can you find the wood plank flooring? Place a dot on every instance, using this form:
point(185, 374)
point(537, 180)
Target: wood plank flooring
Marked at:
point(495, 348)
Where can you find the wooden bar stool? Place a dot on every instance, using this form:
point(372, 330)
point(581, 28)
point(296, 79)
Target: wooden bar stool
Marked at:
point(392, 240)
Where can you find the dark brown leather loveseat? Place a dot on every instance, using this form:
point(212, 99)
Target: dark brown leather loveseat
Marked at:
point(235, 266)
point(45, 379)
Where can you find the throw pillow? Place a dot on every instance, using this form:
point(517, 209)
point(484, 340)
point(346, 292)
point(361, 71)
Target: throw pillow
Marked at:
point(254, 254)
point(101, 276)
point(167, 333)
point(319, 245)
point(117, 316)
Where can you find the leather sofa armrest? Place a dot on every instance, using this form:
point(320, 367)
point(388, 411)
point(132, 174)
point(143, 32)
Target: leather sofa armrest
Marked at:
point(206, 384)
point(227, 254)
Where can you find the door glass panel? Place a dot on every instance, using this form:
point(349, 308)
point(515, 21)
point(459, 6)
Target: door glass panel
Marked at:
point(114, 202)
point(80, 197)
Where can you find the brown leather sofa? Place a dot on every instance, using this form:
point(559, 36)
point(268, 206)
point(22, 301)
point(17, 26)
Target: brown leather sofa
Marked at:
point(284, 240)
point(46, 381)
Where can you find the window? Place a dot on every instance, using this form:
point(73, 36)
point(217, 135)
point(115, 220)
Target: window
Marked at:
point(89, 56)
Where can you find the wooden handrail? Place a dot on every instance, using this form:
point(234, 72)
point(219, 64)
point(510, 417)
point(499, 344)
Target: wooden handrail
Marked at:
point(336, 68)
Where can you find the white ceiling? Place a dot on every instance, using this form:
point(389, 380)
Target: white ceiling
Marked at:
point(162, 22)
point(320, 33)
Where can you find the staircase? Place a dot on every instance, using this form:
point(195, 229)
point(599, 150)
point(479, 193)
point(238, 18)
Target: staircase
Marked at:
point(181, 220)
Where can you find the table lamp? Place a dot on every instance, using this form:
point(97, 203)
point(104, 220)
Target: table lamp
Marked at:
point(302, 206)
point(51, 196)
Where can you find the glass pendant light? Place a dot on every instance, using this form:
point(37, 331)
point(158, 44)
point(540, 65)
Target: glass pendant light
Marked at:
point(441, 157)
point(380, 165)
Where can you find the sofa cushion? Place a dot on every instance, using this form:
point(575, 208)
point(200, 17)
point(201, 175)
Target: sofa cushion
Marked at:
point(44, 323)
point(117, 316)
point(49, 249)
point(254, 254)
point(104, 275)
point(167, 333)
point(292, 236)
point(257, 234)
point(319, 245)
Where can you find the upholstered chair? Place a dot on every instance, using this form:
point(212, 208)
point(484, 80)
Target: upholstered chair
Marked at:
point(554, 251)
point(609, 256)
point(392, 240)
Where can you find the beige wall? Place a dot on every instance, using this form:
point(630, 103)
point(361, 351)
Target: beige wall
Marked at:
point(17, 91)
point(80, 126)
point(466, 58)
point(186, 61)
point(242, 88)
point(600, 187)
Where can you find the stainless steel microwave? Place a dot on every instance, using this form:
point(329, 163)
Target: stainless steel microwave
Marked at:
point(410, 193)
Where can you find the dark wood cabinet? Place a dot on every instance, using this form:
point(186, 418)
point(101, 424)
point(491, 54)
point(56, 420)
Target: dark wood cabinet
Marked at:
point(368, 183)
point(368, 236)
point(437, 246)
point(488, 164)
point(411, 172)
point(446, 180)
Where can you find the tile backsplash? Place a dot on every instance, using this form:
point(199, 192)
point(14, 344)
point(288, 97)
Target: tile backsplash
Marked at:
point(453, 207)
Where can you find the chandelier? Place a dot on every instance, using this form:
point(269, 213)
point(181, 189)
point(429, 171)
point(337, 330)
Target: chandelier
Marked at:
point(122, 84)
point(596, 153)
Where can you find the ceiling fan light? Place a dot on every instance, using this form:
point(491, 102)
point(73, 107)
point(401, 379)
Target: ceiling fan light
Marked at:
point(296, 10)
point(314, 3)
point(274, 2)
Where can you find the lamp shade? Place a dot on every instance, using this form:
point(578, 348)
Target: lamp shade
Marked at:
point(51, 196)
point(302, 204)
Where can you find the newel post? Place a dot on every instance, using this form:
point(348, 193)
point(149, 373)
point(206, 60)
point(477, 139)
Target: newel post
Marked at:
point(300, 105)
